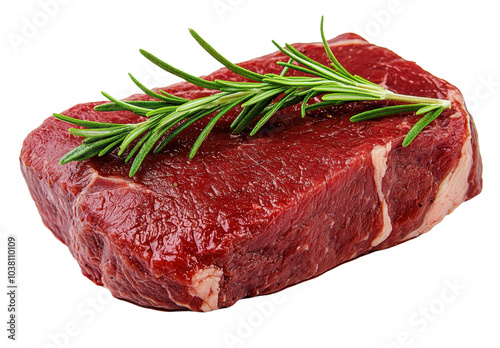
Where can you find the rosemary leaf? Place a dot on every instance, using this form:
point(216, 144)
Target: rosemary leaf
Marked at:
point(99, 132)
point(136, 133)
point(85, 151)
point(179, 73)
point(231, 66)
point(172, 134)
point(144, 151)
point(84, 123)
point(304, 103)
point(137, 147)
point(150, 92)
point(421, 124)
point(389, 110)
point(264, 95)
point(427, 109)
point(271, 112)
point(208, 128)
point(335, 63)
point(147, 104)
point(253, 113)
point(110, 148)
point(135, 109)
point(195, 117)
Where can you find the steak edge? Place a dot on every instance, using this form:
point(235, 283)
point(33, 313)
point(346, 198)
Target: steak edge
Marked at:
point(253, 215)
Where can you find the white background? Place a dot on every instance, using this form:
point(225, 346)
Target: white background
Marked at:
point(53, 57)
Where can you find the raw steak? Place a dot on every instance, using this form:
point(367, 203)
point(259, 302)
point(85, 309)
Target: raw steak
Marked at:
point(254, 215)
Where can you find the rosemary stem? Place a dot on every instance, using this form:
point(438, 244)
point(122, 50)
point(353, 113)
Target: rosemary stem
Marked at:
point(258, 101)
point(416, 100)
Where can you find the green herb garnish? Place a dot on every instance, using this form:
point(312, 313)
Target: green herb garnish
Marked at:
point(261, 99)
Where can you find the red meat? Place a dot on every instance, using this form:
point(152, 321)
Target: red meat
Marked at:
point(253, 215)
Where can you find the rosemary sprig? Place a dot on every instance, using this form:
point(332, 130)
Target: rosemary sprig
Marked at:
point(168, 115)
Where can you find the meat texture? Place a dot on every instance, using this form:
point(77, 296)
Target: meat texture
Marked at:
point(253, 215)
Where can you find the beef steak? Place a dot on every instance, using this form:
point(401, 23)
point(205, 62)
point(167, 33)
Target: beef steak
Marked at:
point(253, 215)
